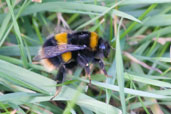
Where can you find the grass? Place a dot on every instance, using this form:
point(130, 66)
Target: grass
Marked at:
point(139, 64)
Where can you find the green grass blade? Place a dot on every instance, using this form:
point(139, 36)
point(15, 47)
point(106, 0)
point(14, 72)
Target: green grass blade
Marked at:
point(159, 20)
point(128, 90)
point(140, 18)
point(17, 31)
point(119, 71)
point(48, 86)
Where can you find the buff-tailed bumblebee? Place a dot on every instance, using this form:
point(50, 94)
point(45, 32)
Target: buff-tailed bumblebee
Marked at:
point(68, 50)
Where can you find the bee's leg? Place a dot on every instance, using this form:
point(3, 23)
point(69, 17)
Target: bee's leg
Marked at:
point(84, 63)
point(59, 79)
point(87, 70)
point(102, 66)
point(61, 74)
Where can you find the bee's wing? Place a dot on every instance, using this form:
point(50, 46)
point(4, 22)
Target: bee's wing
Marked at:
point(52, 51)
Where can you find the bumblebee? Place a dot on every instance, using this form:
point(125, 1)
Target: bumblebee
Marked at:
point(68, 50)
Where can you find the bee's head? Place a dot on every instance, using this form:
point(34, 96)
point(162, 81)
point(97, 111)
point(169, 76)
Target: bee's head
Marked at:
point(104, 48)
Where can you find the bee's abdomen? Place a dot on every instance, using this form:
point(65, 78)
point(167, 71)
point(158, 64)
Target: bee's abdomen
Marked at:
point(50, 63)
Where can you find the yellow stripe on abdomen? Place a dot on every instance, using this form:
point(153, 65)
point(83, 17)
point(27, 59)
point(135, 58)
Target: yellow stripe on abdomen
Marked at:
point(93, 40)
point(66, 56)
point(62, 39)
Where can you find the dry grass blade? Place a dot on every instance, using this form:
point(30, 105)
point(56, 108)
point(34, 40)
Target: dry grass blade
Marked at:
point(39, 1)
point(61, 19)
point(155, 108)
point(141, 63)
point(162, 41)
point(13, 112)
